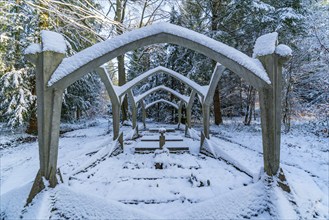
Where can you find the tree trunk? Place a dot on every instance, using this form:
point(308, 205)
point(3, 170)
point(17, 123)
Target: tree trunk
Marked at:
point(250, 105)
point(119, 16)
point(287, 102)
point(215, 10)
point(217, 108)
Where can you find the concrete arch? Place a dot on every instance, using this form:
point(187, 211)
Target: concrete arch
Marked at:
point(205, 94)
point(73, 68)
point(161, 100)
point(184, 100)
point(164, 88)
point(121, 91)
point(54, 73)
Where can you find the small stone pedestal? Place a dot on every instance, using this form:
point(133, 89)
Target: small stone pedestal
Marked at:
point(162, 138)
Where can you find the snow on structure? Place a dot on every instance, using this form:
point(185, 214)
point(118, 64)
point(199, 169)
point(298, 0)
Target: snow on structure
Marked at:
point(283, 50)
point(165, 88)
point(265, 44)
point(52, 41)
point(162, 130)
point(123, 89)
point(161, 100)
point(33, 49)
point(76, 61)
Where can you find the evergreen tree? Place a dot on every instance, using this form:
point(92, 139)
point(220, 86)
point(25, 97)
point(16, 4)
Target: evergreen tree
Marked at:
point(17, 26)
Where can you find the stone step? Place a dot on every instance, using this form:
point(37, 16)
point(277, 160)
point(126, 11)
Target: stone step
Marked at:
point(152, 149)
point(157, 139)
point(157, 129)
point(155, 201)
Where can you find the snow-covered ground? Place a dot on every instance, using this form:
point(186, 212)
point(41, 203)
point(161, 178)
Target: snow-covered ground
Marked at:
point(191, 186)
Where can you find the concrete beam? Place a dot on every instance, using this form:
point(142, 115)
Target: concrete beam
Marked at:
point(189, 109)
point(217, 74)
point(206, 119)
point(143, 113)
point(161, 100)
point(133, 108)
point(181, 104)
point(114, 100)
point(164, 88)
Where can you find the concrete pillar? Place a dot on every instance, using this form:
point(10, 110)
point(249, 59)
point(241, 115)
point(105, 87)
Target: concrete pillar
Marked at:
point(114, 100)
point(49, 104)
point(133, 108)
point(208, 100)
point(206, 118)
point(189, 109)
point(270, 105)
point(143, 113)
point(116, 120)
point(181, 103)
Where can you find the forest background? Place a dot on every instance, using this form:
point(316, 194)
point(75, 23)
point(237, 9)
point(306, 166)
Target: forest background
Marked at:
point(302, 25)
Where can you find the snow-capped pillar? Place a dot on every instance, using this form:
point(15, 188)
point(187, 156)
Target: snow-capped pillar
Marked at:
point(270, 100)
point(189, 109)
point(49, 103)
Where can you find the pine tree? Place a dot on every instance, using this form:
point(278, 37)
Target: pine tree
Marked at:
point(17, 31)
point(21, 23)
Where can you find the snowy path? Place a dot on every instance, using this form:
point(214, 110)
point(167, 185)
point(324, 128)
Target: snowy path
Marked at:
point(128, 185)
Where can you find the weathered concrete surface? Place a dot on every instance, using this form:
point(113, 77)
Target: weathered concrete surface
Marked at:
point(143, 113)
point(49, 102)
point(270, 105)
point(181, 104)
point(189, 109)
point(114, 100)
point(208, 100)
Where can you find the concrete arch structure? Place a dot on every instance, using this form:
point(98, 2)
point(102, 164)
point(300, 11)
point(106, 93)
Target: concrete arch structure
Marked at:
point(73, 68)
point(137, 99)
point(164, 88)
point(54, 74)
point(160, 69)
point(161, 100)
point(204, 92)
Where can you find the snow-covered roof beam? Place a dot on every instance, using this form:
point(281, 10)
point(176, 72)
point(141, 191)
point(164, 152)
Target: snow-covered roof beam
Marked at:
point(161, 100)
point(73, 68)
point(124, 89)
point(184, 98)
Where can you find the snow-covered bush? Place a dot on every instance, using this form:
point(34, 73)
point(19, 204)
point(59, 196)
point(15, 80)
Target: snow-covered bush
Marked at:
point(161, 158)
